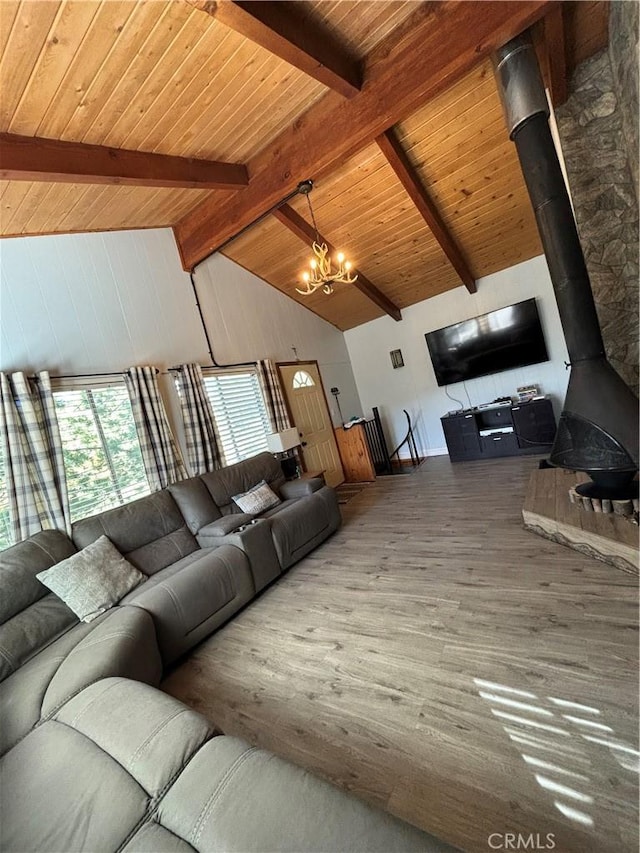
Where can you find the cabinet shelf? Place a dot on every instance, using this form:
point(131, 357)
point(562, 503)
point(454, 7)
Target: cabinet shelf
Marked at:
point(518, 430)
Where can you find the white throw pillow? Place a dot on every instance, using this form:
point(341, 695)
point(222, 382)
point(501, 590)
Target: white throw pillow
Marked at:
point(93, 580)
point(258, 499)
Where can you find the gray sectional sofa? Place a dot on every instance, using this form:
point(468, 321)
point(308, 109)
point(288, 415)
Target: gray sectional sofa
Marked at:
point(94, 757)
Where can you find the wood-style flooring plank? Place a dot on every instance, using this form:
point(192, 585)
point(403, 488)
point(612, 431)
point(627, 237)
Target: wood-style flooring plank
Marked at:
point(440, 661)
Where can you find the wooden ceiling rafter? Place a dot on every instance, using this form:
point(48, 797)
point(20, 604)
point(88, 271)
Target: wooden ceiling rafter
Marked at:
point(284, 30)
point(408, 176)
point(410, 67)
point(30, 158)
point(292, 220)
point(166, 78)
point(554, 54)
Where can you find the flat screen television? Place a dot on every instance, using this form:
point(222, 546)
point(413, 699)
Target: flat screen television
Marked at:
point(500, 340)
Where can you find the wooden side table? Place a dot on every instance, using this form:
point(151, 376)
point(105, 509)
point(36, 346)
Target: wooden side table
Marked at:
point(357, 464)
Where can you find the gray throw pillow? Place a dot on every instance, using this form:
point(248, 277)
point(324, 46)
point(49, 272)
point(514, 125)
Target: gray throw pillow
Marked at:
point(258, 499)
point(93, 580)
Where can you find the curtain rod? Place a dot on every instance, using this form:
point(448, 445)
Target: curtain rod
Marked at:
point(219, 366)
point(84, 375)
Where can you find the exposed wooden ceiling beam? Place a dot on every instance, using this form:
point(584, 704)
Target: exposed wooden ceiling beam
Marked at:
point(27, 158)
point(556, 56)
point(283, 29)
point(435, 46)
point(301, 228)
point(390, 146)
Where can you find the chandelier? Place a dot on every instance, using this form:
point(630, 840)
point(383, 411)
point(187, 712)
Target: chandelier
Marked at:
point(322, 274)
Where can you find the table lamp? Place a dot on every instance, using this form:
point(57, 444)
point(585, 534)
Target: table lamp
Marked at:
point(281, 444)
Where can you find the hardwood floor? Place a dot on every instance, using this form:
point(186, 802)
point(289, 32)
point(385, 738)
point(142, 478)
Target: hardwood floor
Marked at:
point(437, 659)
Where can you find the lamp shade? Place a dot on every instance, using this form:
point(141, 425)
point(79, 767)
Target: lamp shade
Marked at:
point(279, 442)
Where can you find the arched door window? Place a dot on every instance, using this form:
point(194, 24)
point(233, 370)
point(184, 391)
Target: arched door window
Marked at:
point(301, 379)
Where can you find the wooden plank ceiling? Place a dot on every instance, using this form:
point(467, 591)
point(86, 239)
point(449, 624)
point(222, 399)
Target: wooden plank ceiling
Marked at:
point(168, 78)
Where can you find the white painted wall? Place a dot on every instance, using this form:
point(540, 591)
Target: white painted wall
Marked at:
point(85, 303)
point(414, 387)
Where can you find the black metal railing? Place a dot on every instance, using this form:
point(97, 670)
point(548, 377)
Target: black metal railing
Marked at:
point(378, 444)
point(410, 441)
point(382, 459)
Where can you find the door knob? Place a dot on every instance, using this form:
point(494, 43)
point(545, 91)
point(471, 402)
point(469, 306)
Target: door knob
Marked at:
point(303, 443)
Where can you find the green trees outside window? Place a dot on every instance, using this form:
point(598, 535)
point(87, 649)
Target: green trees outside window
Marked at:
point(102, 456)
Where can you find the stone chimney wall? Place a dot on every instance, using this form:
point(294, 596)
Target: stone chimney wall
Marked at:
point(624, 58)
point(598, 127)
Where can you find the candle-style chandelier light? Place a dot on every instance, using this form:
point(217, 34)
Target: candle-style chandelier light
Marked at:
point(322, 273)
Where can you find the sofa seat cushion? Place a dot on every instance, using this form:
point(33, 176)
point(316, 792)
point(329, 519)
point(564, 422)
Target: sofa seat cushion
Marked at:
point(87, 778)
point(120, 642)
point(233, 797)
point(193, 596)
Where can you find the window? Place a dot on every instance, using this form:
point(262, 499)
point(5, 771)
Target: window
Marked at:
point(301, 379)
point(240, 413)
point(101, 450)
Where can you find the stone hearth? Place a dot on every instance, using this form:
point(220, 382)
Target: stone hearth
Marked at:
point(549, 512)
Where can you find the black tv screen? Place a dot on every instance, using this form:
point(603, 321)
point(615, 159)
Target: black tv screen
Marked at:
point(500, 340)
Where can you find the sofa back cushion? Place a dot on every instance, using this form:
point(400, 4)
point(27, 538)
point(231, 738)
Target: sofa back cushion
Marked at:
point(195, 503)
point(30, 616)
point(239, 478)
point(19, 565)
point(150, 532)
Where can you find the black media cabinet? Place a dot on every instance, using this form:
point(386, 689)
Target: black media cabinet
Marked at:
point(500, 430)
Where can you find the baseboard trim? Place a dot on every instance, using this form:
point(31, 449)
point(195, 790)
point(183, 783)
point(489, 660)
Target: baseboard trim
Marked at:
point(433, 451)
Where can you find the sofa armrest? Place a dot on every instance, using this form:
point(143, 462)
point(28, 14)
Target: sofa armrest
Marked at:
point(226, 524)
point(300, 488)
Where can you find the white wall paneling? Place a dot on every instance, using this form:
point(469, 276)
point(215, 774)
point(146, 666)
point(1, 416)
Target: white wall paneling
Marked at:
point(414, 387)
point(87, 303)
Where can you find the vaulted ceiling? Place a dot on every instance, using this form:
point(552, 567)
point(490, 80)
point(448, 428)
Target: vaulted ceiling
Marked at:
point(390, 107)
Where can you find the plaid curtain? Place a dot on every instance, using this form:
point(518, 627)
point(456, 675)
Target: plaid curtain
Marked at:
point(162, 461)
point(273, 395)
point(199, 423)
point(32, 453)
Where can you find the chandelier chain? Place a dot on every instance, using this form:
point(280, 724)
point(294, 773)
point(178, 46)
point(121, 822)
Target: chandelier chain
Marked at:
point(313, 219)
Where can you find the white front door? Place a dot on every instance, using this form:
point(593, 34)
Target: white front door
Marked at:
point(308, 406)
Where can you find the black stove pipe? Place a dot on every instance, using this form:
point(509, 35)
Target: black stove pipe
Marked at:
point(598, 429)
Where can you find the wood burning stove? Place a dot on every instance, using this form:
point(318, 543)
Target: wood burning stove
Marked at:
point(598, 427)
